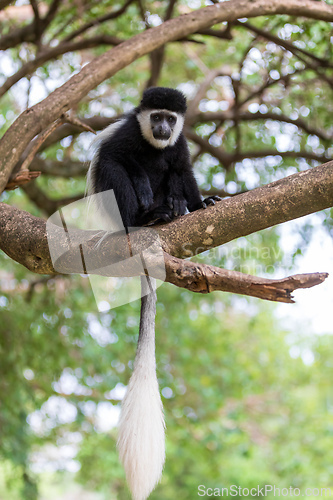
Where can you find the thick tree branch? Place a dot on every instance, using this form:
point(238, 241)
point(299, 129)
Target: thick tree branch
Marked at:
point(35, 119)
point(283, 200)
point(23, 237)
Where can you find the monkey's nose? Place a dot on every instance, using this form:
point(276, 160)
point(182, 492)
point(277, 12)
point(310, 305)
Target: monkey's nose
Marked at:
point(162, 132)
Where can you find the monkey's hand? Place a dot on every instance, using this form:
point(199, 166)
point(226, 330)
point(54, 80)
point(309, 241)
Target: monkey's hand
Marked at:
point(177, 205)
point(162, 213)
point(145, 198)
point(210, 200)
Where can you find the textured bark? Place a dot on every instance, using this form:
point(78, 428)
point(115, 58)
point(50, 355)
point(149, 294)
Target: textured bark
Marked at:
point(34, 120)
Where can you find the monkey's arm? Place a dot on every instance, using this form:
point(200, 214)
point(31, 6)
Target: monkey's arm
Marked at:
point(183, 191)
point(118, 174)
point(108, 175)
point(141, 183)
point(176, 197)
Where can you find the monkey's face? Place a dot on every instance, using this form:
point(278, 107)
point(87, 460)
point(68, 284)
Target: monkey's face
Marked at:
point(160, 127)
point(162, 124)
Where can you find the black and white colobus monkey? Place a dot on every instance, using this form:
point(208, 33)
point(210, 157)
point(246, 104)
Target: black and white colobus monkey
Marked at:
point(145, 159)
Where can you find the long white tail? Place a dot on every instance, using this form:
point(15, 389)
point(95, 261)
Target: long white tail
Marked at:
point(141, 440)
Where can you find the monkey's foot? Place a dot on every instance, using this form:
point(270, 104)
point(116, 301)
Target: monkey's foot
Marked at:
point(210, 200)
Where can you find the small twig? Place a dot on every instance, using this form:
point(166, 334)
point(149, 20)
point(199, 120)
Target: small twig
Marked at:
point(210, 75)
point(39, 141)
point(22, 177)
point(74, 120)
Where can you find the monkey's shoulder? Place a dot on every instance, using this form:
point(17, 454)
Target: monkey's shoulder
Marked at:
point(124, 139)
point(122, 134)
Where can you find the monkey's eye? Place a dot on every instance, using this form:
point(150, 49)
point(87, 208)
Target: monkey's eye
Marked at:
point(172, 120)
point(155, 118)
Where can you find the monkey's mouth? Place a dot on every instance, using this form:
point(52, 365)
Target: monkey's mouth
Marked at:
point(162, 136)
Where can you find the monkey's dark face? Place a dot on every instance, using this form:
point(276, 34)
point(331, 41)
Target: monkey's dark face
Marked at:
point(162, 124)
point(160, 127)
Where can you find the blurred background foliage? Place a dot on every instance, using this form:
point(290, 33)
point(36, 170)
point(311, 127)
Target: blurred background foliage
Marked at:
point(248, 401)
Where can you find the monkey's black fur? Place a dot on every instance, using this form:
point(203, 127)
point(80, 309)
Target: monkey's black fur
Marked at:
point(149, 183)
point(146, 161)
point(163, 98)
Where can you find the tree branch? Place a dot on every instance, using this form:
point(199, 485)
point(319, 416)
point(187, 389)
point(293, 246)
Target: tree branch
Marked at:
point(204, 278)
point(23, 237)
point(28, 33)
point(157, 56)
point(228, 159)
point(95, 122)
point(246, 116)
point(51, 54)
point(34, 6)
point(314, 63)
point(284, 43)
point(221, 34)
point(34, 120)
point(283, 200)
point(65, 168)
point(4, 3)
point(98, 21)
point(46, 204)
